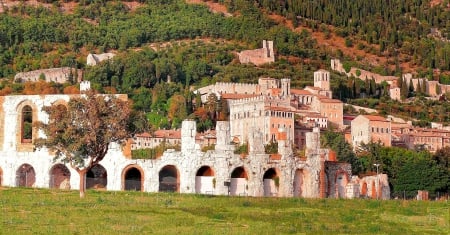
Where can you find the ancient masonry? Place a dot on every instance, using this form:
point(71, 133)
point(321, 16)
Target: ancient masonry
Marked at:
point(94, 59)
point(258, 56)
point(219, 171)
point(58, 75)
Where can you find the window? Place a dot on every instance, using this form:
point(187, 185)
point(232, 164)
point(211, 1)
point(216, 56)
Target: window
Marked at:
point(27, 124)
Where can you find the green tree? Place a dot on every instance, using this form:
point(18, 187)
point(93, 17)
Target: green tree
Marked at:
point(81, 133)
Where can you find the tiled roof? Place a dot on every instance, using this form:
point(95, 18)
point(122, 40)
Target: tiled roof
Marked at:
point(169, 134)
point(300, 92)
point(232, 96)
point(375, 118)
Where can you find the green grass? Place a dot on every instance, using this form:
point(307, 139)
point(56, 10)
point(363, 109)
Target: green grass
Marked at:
point(41, 211)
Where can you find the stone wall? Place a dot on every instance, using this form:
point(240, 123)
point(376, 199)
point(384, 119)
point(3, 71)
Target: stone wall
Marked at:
point(256, 174)
point(258, 56)
point(94, 59)
point(58, 75)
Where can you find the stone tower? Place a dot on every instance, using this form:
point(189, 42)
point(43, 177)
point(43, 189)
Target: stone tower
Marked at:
point(322, 79)
point(268, 46)
point(285, 87)
point(188, 131)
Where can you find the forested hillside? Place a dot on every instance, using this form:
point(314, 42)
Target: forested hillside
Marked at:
point(411, 31)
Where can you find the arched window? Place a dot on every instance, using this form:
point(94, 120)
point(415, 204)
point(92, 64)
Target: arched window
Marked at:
point(27, 124)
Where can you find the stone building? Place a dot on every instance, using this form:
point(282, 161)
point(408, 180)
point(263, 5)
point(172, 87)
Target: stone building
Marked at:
point(219, 171)
point(259, 56)
point(94, 59)
point(57, 75)
point(370, 128)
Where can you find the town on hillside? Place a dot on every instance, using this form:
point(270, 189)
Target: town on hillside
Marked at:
point(268, 145)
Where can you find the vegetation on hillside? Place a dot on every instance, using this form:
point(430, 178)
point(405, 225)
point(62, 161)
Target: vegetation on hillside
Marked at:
point(401, 29)
point(408, 170)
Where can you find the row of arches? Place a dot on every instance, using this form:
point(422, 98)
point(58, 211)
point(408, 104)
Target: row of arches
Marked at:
point(169, 179)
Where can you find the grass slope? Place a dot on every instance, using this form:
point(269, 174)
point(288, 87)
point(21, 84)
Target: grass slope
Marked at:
point(41, 211)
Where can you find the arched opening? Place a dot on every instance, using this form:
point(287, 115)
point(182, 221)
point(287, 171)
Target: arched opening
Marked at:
point(364, 190)
point(271, 182)
point(133, 178)
point(300, 179)
point(25, 176)
point(238, 182)
point(96, 178)
point(27, 124)
point(205, 182)
point(60, 177)
point(169, 180)
point(341, 183)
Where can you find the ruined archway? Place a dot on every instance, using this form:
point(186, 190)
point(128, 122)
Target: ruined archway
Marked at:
point(169, 179)
point(300, 178)
point(238, 182)
point(364, 190)
point(59, 177)
point(25, 176)
point(133, 178)
point(271, 182)
point(205, 182)
point(97, 178)
point(341, 183)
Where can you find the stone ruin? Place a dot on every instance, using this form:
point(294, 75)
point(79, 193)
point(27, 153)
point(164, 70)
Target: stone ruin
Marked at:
point(94, 59)
point(58, 75)
point(259, 56)
point(218, 172)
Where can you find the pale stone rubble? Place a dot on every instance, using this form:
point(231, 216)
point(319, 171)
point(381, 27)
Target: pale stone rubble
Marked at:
point(219, 171)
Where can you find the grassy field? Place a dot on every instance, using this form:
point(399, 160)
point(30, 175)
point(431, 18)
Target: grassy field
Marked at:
point(41, 211)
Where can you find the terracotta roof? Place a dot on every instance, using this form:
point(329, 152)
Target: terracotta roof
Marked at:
point(143, 135)
point(232, 96)
point(330, 101)
point(375, 118)
point(313, 88)
point(300, 92)
point(169, 134)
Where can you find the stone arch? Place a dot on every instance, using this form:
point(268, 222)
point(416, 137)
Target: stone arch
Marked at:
point(26, 133)
point(169, 179)
point(25, 176)
point(133, 178)
point(271, 182)
point(205, 182)
point(97, 177)
point(59, 177)
point(301, 178)
point(340, 184)
point(364, 190)
point(238, 182)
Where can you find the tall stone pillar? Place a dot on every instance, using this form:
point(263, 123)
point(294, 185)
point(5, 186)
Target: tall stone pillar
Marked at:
point(188, 131)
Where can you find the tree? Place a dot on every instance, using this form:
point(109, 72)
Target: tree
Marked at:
point(80, 133)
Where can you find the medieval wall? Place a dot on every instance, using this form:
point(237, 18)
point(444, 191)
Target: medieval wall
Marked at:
point(219, 171)
point(258, 56)
point(58, 75)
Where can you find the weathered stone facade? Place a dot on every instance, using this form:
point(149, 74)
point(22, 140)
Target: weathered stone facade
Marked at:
point(258, 56)
point(58, 75)
point(94, 59)
point(190, 170)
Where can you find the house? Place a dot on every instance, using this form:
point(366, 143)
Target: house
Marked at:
point(370, 128)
